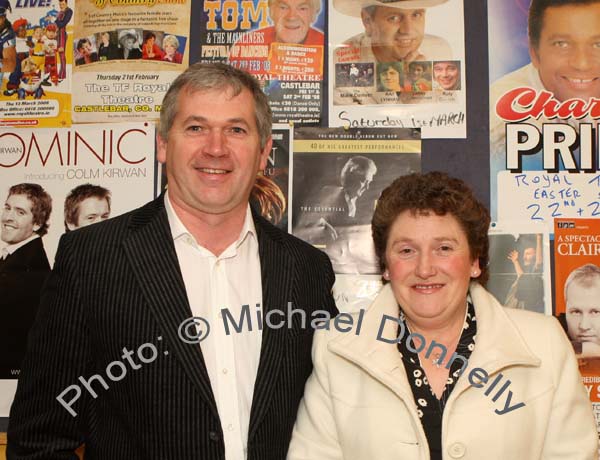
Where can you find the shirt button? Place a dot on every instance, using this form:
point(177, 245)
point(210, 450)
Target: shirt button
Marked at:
point(213, 436)
point(224, 371)
point(230, 427)
point(457, 450)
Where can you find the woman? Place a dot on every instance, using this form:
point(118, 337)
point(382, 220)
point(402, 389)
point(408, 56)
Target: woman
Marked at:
point(374, 395)
point(170, 46)
point(150, 50)
point(129, 46)
point(107, 51)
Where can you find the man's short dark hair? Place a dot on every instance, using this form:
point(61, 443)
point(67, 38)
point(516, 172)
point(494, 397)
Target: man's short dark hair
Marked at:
point(536, 15)
point(77, 195)
point(41, 204)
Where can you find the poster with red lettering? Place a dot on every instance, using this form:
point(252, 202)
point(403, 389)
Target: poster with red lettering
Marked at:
point(577, 283)
point(281, 43)
point(55, 181)
point(544, 110)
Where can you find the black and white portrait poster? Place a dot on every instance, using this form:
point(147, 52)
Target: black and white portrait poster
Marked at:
point(338, 177)
point(520, 265)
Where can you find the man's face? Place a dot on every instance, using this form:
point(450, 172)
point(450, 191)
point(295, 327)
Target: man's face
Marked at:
point(416, 72)
point(568, 55)
point(91, 210)
point(17, 219)
point(357, 182)
point(213, 151)
point(583, 312)
point(446, 74)
point(390, 79)
point(62, 5)
point(394, 32)
point(292, 19)
point(529, 256)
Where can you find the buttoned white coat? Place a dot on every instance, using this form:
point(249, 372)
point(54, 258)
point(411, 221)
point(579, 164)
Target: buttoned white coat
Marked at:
point(358, 403)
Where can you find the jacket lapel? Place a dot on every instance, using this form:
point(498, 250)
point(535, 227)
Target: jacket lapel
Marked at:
point(277, 271)
point(376, 357)
point(151, 252)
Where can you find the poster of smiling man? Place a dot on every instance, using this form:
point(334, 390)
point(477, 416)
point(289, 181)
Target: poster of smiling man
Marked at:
point(544, 108)
point(396, 63)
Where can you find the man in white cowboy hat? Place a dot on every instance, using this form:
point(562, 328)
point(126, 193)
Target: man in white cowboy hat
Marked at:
point(394, 31)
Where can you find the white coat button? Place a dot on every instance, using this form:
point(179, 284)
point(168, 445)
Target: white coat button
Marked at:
point(457, 450)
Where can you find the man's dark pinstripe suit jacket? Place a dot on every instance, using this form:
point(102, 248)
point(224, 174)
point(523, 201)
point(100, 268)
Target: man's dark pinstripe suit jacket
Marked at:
point(118, 284)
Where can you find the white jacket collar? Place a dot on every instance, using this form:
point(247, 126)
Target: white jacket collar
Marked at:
point(499, 343)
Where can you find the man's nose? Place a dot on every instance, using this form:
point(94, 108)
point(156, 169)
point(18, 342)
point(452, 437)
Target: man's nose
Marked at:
point(584, 324)
point(215, 143)
point(580, 58)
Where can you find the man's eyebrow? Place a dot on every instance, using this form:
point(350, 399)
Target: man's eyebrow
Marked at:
point(201, 119)
point(569, 35)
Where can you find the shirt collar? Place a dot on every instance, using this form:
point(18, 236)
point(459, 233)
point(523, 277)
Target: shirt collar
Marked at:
point(178, 229)
point(11, 248)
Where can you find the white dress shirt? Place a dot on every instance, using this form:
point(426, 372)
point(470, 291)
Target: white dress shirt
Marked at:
point(214, 283)
point(11, 248)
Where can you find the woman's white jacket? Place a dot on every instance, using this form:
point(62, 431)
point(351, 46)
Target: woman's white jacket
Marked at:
point(358, 403)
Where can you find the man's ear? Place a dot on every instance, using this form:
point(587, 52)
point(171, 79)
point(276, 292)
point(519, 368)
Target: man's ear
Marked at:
point(161, 149)
point(367, 22)
point(533, 54)
point(264, 154)
point(70, 226)
point(36, 227)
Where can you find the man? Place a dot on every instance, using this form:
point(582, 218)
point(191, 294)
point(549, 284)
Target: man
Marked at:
point(8, 51)
point(85, 205)
point(62, 20)
point(394, 31)
point(292, 21)
point(133, 281)
point(23, 269)
point(527, 290)
point(87, 55)
point(582, 299)
point(446, 75)
point(22, 48)
point(417, 81)
point(50, 50)
point(563, 37)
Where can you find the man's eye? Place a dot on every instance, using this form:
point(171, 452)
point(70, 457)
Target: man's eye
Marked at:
point(445, 248)
point(560, 44)
point(594, 312)
point(417, 14)
point(238, 130)
point(194, 128)
point(575, 312)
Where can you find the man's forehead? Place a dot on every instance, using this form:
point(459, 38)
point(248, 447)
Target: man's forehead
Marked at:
point(18, 200)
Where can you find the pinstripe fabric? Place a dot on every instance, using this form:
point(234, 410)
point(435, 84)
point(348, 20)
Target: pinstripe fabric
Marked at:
point(117, 284)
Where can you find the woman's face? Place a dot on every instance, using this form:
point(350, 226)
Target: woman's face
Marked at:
point(105, 39)
point(129, 42)
point(170, 49)
point(430, 266)
point(390, 79)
